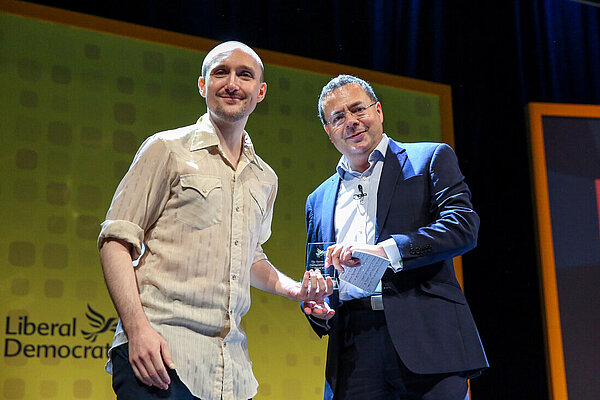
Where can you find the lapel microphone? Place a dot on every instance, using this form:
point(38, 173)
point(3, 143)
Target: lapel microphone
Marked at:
point(361, 195)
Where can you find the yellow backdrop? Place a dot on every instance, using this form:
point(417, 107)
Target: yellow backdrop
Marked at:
point(79, 94)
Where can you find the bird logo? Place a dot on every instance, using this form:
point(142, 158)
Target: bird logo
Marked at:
point(320, 253)
point(98, 323)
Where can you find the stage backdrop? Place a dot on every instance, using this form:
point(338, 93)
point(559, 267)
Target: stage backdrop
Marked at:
point(565, 143)
point(79, 94)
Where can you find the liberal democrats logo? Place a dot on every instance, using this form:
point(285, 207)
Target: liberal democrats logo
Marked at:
point(99, 324)
point(59, 339)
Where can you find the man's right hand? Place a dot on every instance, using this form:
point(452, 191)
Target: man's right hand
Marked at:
point(149, 356)
point(148, 351)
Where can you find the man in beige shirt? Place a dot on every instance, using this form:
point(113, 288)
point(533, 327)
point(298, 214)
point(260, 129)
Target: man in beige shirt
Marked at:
point(197, 204)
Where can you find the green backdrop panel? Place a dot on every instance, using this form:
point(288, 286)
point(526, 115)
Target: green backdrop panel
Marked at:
point(76, 104)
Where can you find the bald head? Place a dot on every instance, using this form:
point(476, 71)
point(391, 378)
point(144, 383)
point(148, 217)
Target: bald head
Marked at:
point(226, 48)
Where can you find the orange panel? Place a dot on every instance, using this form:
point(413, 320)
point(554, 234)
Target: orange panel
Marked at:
point(554, 345)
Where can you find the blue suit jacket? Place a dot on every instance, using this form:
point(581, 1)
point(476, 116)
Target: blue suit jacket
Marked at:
point(424, 204)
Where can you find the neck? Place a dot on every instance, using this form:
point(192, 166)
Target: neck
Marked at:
point(359, 165)
point(231, 136)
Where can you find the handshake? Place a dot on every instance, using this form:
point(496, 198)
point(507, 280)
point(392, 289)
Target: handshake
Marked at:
point(328, 262)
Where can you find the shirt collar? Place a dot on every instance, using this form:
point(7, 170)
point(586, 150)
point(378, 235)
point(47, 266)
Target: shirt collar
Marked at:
point(205, 136)
point(378, 154)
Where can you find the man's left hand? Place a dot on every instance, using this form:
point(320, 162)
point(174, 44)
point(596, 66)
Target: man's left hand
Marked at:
point(340, 255)
point(318, 309)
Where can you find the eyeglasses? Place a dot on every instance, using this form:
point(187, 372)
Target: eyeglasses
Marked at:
point(359, 111)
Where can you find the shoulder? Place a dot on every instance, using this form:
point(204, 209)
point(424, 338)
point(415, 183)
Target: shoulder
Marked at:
point(170, 137)
point(265, 173)
point(177, 135)
point(328, 184)
point(421, 147)
point(423, 151)
point(165, 143)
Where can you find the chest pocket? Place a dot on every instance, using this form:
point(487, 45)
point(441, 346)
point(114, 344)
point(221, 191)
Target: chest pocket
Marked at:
point(260, 198)
point(201, 201)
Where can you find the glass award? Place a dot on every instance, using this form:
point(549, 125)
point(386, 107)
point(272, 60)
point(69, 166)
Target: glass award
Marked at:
point(315, 260)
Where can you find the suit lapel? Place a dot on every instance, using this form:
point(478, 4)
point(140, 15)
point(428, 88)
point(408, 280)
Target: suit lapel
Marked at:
point(328, 209)
point(327, 226)
point(394, 161)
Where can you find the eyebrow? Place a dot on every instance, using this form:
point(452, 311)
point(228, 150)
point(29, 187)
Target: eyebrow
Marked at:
point(247, 68)
point(241, 67)
point(354, 104)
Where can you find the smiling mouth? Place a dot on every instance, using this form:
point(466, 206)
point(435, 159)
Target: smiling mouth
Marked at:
point(231, 98)
point(354, 135)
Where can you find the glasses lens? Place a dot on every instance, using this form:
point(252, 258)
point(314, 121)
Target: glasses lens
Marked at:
point(360, 112)
point(337, 120)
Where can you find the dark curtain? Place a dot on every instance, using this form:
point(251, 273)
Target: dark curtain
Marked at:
point(497, 56)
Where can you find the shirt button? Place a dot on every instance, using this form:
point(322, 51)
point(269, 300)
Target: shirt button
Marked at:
point(234, 277)
point(237, 242)
point(237, 208)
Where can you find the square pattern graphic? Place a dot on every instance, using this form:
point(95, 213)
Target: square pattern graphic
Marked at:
point(76, 105)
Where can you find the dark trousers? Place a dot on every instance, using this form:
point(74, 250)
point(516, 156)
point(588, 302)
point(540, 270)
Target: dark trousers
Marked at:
point(128, 387)
point(369, 368)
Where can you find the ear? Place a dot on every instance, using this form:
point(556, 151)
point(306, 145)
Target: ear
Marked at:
point(262, 92)
point(202, 87)
point(379, 111)
point(327, 131)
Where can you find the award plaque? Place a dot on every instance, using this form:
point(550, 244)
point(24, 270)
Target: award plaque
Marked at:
point(315, 260)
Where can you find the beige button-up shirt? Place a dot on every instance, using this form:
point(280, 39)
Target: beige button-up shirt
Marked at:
point(202, 223)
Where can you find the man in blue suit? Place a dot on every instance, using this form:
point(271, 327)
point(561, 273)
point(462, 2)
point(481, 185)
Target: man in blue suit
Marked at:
point(413, 337)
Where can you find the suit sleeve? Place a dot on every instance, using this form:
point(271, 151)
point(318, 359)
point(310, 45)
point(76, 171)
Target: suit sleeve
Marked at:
point(451, 226)
point(321, 327)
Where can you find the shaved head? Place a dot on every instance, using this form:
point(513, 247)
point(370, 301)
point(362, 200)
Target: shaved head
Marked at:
point(228, 47)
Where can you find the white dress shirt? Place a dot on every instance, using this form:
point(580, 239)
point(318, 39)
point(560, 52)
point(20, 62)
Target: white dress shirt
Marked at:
point(356, 213)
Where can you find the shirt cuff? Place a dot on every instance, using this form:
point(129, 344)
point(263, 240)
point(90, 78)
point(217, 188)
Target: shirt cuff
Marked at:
point(323, 323)
point(124, 230)
point(259, 254)
point(391, 250)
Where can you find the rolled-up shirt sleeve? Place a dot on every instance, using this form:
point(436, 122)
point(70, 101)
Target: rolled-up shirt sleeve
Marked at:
point(124, 230)
point(140, 197)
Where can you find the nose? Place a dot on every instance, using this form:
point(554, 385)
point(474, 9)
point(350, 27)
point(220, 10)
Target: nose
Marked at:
point(351, 119)
point(232, 82)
